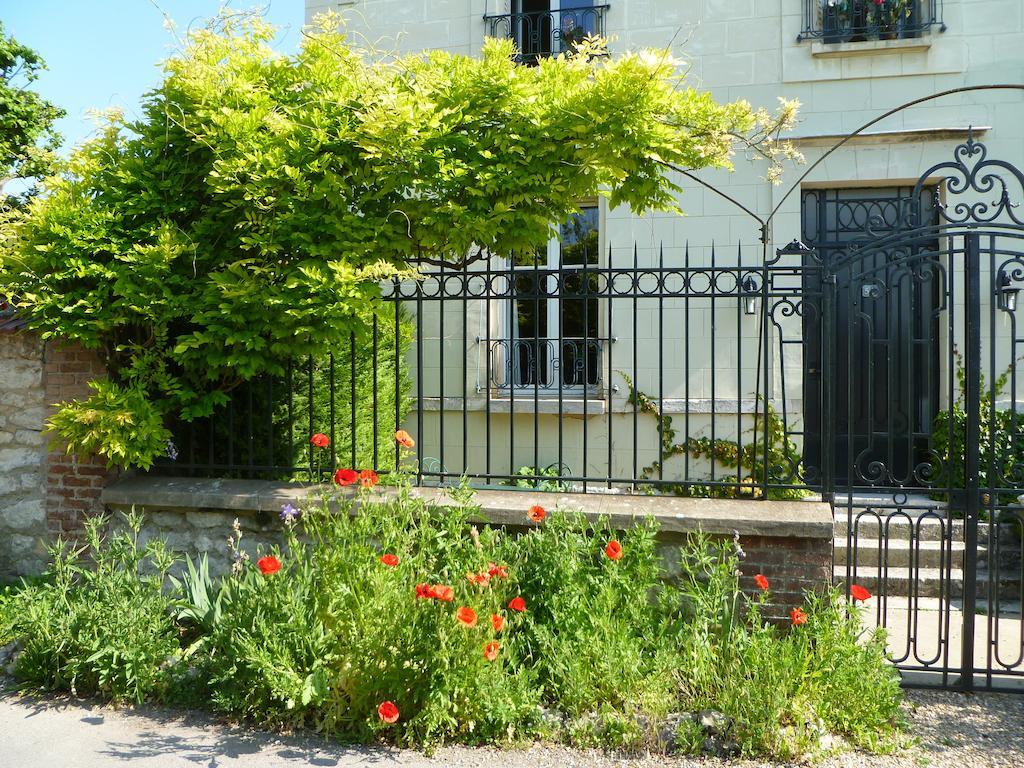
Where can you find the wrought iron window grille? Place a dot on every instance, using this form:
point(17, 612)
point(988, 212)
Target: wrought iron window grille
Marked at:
point(548, 32)
point(852, 21)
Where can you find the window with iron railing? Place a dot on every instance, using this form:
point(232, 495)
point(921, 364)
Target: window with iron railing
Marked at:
point(543, 28)
point(551, 339)
point(851, 21)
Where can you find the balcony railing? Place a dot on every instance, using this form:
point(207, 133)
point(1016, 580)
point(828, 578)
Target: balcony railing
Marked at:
point(546, 364)
point(851, 21)
point(538, 34)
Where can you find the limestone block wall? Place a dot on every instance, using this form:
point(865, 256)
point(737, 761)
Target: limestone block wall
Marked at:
point(44, 493)
point(22, 455)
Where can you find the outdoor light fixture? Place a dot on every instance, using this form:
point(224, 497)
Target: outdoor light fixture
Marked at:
point(1006, 293)
point(795, 247)
point(749, 296)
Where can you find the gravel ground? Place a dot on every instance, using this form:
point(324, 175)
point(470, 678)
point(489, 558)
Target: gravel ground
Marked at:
point(979, 731)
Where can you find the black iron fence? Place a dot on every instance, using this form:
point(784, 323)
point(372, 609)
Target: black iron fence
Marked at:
point(841, 21)
point(540, 33)
point(671, 369)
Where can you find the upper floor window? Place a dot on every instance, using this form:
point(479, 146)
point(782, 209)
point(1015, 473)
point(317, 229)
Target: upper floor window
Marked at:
point(852, 21)
point(546, 27)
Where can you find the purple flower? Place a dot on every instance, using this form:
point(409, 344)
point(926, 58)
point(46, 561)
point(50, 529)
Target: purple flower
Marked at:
point(289, 513)
point(171, 450)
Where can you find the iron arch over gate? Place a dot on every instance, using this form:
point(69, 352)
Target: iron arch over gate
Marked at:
point(922, 418)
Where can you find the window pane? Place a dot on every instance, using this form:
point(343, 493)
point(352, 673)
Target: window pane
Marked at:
point(579, 237)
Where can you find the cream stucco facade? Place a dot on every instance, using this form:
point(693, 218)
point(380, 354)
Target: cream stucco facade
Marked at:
point(709, 379)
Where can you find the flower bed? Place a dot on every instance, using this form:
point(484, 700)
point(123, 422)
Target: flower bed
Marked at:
point(405, 622)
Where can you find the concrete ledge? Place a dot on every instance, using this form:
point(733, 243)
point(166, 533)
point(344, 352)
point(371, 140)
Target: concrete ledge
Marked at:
point(870, 47)
point(783, 519)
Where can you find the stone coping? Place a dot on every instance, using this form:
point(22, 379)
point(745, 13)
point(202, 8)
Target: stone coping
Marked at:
point(784, 519)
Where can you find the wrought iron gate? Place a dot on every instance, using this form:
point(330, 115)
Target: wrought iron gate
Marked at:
point(922, 419)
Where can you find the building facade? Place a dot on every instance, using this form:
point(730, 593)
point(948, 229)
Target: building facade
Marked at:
point(546, 371)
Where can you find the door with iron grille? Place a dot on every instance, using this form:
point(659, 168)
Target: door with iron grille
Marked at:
point(920, 411)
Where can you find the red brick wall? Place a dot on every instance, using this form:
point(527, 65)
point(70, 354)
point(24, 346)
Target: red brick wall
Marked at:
point(792, 566)
point(73, 483)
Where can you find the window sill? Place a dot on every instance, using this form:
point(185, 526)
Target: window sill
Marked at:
point(822, 50)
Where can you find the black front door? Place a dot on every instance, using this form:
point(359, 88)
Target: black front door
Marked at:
point(883, 335)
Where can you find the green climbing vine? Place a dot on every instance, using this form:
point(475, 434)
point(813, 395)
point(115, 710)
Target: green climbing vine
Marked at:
point(783, 456)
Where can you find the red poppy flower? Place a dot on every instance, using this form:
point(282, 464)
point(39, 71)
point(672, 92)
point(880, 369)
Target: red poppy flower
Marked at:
point(423, 592)
point(404, 439)
point(761, 581)
point(613, 550)
point(442, 593)
point(388, 712)
point(497, 622)
point(368, 478)
point(517, 604)
point(491, 650)
point(345, 476)
point(798, 617)
point(466, 616)
point(389, 560)
point(497, 571)
point(536, 513)
point(857, 592)
point(320, 440)
point(481, 579)
point(268, 565)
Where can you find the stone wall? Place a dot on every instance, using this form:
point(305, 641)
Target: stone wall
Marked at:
point(44, 494)
point(22, 455)
point(789, 542)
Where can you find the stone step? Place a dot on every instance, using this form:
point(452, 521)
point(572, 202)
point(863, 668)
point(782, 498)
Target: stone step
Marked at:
point(898, 553)
point(926, 582)
point(898, 526)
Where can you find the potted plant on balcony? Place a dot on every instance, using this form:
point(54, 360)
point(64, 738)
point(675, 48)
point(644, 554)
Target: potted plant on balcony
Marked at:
point(890, 15)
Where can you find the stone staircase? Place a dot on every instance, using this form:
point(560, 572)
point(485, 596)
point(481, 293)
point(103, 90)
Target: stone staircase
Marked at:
point(910, 557)
point(909, 553)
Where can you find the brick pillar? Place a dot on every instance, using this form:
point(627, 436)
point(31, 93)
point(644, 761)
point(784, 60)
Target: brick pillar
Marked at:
point(73, 483)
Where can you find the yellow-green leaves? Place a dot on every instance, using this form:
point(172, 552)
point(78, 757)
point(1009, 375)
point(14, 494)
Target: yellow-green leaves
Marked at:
point(253, 209)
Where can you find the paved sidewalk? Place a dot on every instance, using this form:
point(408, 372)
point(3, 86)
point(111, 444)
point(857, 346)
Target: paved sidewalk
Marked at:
point(956, 731)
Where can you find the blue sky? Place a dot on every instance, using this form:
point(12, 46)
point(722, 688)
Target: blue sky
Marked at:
point(104, 53)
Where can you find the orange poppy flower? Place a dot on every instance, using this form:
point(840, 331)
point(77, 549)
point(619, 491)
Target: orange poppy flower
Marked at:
point(481, 579)
point(345, 477)
point(761, 581)
point(798, 617)
point(388, 712)
point(536, 513)
point(497, 571)
point(320, 440)
point(389, 560)
point(442, 593)
point(368, 478)
point(268, 565)
point(857, 592)
point(491, 650)
point(423, 592)
point(404, 439)
point(466, 616)
point(613, 550)
point(498, 622)
point(517, 604)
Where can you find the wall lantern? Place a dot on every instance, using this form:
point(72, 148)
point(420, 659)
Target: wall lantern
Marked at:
point(1006, 293)
point(749, 296)
point(795, 247)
